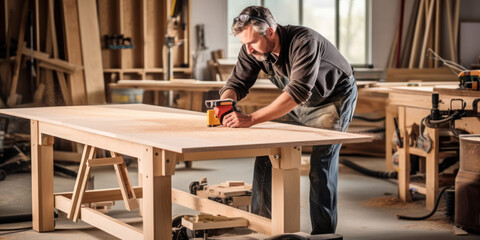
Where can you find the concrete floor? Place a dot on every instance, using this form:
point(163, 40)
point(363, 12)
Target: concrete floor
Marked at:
point(366, 207)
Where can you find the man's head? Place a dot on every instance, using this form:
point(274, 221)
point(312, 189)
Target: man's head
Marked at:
point(255, 27)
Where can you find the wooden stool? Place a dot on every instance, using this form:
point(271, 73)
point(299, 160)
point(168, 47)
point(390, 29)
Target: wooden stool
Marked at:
point(88, 160)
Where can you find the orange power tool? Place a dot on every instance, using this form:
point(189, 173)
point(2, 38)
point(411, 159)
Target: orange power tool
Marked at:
point(218, 109)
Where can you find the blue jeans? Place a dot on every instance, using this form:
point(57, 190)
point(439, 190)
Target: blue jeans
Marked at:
point(323, 175)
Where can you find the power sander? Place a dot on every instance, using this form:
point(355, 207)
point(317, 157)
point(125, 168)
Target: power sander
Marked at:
point(217, 109)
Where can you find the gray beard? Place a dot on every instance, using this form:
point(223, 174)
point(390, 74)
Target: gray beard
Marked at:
point(261, 57)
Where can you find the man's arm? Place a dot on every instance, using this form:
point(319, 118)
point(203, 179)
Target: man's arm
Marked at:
point(229, 94)
point(282, 105)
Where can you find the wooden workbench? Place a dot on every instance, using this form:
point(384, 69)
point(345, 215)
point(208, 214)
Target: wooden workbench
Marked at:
point(159, 137)
point(409, 105)
point(261, 94)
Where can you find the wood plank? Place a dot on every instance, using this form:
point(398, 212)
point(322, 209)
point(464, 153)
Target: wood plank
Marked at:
point(110, 225)
point(129, 198)
point(62, 82)
point(42, 180)
point(95, 162)
point(181, 131)
point(81, 183)
point(106, 223)
point(416, 35)
point(227, 223)
point(436, 47)
point(73, 50)
point(405, 74)
point(228, 154)
point(91, 51)
point(451, 38)
point(13, 97)
point(255, 222)
point(426, 33)
point(102, 195)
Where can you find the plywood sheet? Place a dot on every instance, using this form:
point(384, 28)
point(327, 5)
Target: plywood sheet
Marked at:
point(179, 130)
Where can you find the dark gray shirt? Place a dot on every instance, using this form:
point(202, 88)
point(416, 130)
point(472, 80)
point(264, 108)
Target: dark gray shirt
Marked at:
point(309, 68)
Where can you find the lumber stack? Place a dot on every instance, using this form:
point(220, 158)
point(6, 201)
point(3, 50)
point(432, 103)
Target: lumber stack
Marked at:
point(49, 56)
point(429, 20)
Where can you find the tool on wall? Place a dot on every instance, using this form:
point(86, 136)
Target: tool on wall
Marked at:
point(171, 39)
point(217, 109)
point(117, 41)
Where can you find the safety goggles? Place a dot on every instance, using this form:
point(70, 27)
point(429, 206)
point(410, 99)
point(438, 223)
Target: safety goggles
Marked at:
point(245, 17)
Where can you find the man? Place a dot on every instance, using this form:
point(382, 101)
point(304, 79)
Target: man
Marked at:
point(319, 90)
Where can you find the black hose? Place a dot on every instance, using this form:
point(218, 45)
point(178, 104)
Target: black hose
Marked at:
point(437, 202)
point(16, 218)
point(369, 119)
point(366, 171)
point(287, 236)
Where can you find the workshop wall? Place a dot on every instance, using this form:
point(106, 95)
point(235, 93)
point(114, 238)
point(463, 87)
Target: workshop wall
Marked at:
point(213, 14)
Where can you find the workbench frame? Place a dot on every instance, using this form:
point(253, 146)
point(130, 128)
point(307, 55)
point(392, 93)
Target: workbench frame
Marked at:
point(409, 107)
point(156, 167)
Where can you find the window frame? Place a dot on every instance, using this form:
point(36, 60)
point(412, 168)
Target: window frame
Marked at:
point(368, 24)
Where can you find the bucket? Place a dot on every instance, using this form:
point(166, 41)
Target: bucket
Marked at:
point(119, 95)
point(467, 184)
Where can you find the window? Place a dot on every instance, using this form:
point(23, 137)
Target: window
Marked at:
point(345, 23)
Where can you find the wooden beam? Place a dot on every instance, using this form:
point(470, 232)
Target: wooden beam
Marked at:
point(73, 51)
point(53, 63)
point(99, 220)
point(451, 39)
point(228, 154)
point(81, 183)
point(255, 222)
point(60, 75)
point(416, 35)
point(13, 97)
point(42, 180)
point(426, 33)
point(129, 198)
point(102, 195)
point(95, 162)
point(157, 198)
point(91, 51)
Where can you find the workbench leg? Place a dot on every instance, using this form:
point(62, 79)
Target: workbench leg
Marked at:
point(404, 159)
point(391, 111)
point(157, 198)
point(42, 180)
point(197, 101)
point(285, 201)
point(431, 174)
point(286, 191)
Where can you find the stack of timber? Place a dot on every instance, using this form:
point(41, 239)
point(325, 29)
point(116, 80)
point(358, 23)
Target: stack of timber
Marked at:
point(409, 57)
point(60, 43)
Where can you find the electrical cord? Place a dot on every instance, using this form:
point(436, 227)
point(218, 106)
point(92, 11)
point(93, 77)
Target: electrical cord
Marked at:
point(437, 202)
point(369, 119)
point(368, 172)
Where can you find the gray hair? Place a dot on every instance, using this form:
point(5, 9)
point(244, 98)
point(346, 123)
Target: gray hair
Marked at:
point(256, 13)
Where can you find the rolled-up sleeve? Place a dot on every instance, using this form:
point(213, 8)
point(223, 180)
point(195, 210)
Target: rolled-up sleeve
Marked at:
point(306, 60)
point(244, 75)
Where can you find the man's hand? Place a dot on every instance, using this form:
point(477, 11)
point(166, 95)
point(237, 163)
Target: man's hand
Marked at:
point(238, 120)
